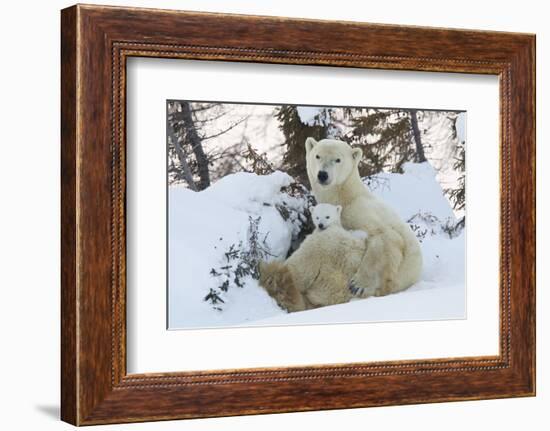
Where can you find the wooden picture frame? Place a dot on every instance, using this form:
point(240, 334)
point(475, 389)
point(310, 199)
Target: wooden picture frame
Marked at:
point(95, 43)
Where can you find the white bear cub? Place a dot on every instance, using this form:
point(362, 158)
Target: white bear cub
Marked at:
point(327, 215)
point(318, 273)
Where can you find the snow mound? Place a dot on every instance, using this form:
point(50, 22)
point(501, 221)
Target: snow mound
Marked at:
point(413, 192)
point(246, 191)
point(203, 227)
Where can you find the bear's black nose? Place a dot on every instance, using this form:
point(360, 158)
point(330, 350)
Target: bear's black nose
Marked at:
point(322, 176)
point(321, 226)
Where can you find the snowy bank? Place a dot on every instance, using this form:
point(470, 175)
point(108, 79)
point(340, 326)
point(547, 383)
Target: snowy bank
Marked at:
point(205, 227)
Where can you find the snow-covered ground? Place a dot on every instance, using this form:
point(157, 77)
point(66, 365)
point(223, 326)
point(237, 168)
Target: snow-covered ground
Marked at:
point(204, 225)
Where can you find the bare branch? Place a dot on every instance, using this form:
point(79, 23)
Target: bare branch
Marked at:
point(203, 107)
point(221, 132)
point(209, 119)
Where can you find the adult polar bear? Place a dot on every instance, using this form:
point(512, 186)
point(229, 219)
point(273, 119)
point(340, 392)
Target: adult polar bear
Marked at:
point(393, 259)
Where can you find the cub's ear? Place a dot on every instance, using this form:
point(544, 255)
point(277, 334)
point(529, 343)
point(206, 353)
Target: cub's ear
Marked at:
point(357, 154)
point(338, 209)
point(310, 143)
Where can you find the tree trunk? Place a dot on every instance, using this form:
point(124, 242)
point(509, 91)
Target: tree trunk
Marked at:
point(420, 157)
point(196, 145)
point(186, 170)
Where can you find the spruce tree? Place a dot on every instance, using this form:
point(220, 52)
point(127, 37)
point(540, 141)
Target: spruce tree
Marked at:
point(296, 133)
point(387, 138)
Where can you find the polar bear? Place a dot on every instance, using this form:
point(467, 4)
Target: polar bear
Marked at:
point(326, 215)
point(317, 274)
point(393, 259)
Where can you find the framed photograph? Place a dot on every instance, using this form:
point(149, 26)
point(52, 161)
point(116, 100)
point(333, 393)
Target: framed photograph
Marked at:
point(249, 243)
point(289, 220)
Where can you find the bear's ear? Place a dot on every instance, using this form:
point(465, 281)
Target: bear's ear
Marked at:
point(338, 209)
point(357, 154)
point(310, 143)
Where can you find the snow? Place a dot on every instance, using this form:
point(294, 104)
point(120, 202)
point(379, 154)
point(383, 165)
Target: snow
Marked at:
point(417, 190)
point(259, 189)
point(203, 225)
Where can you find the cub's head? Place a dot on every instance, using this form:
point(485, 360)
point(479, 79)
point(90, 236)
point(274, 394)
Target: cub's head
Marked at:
point(330, 162)
point(325, 215)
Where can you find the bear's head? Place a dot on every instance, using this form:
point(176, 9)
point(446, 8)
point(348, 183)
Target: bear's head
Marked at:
point(330, 162)
point(326, 215)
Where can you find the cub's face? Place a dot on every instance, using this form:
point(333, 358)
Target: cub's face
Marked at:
point(325, 215)
point(330, 162)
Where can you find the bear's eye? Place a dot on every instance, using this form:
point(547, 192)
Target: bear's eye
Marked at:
point(317, 156)
point(327, 217)
point(338, 160)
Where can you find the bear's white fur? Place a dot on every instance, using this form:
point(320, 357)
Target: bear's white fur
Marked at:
point(393, 259)
point(317, 274)
point(324, 215)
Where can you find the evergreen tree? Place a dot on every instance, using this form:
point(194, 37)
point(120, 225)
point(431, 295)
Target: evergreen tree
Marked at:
point(387, 138)
point(295, 133)
point(457, 195)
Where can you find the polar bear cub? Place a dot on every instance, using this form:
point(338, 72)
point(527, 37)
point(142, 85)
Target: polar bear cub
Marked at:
point(326, 215)
point(318, 273)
